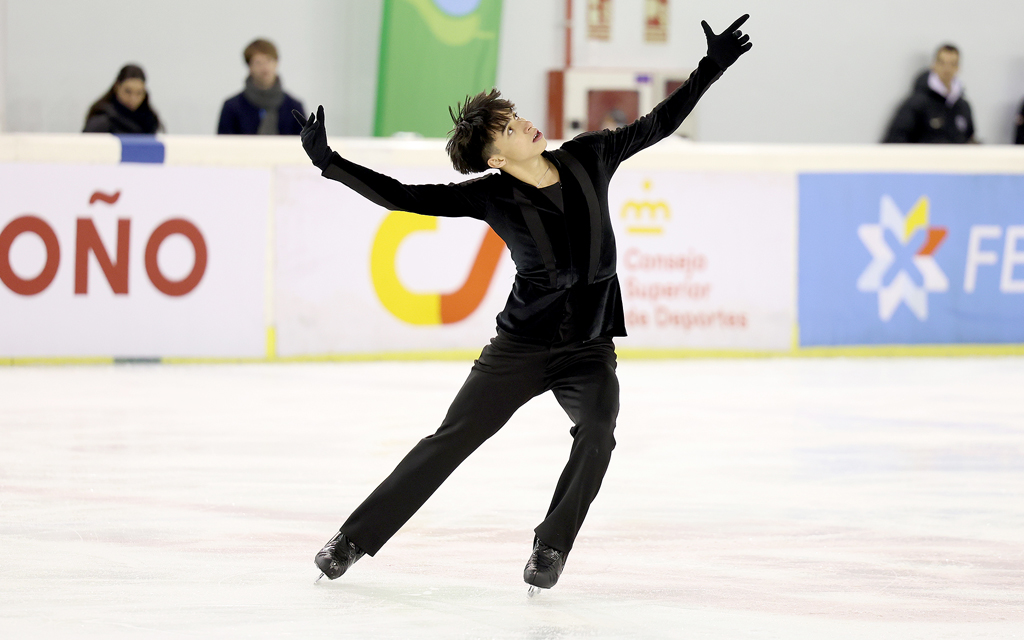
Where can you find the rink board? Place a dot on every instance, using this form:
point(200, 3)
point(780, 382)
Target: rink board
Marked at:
point(185, 258)
point(911, 259)
point(706, 260)
point(723, 250)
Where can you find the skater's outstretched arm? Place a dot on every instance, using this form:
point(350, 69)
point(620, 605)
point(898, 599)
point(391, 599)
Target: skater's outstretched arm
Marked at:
point(429, 199)
point(723, 50)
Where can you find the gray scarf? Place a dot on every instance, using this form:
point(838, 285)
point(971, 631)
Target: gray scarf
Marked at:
point(267, 100)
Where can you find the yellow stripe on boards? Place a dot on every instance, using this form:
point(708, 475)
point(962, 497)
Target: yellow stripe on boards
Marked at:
point(877, 351)
point(271, 343)
point(55, 361)
point(913, 351)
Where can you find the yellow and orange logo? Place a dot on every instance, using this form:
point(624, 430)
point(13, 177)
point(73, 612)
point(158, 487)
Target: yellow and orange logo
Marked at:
point(428, 308)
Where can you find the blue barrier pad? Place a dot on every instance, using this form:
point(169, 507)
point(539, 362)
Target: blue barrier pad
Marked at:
point(141, 148)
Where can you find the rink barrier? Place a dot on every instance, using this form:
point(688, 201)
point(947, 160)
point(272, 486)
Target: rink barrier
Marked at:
point(467, 355)
point(15, 362)
point(285, 166)
point(141, 148)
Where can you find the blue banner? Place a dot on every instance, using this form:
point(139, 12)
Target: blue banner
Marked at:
point(911, 259)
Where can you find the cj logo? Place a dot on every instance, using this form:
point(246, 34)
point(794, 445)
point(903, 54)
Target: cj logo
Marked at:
point(428, 308)
point(898, 254)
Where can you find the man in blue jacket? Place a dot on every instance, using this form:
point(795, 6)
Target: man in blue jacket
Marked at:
point(263, 108)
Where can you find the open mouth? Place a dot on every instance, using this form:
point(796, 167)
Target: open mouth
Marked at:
point(537, 136)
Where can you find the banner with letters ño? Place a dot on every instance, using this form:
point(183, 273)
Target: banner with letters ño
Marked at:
point(705, 260)
point(911, 259)
point(132, 261)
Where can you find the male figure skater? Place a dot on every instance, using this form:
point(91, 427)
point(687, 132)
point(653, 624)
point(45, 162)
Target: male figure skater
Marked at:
point(555, 333)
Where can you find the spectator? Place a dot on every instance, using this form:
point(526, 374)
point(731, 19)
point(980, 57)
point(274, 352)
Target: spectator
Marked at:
point(263, 108)
point(936, 111)
point(1020, 125)
point(125, 108)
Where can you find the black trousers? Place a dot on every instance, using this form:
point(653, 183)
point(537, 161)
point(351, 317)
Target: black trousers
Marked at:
point(508, 373)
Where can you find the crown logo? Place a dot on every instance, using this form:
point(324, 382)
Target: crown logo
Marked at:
point(645, 217)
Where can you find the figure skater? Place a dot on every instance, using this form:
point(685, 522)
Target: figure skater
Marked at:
point(555, 333)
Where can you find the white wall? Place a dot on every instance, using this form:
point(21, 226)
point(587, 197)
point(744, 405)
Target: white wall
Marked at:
point(3, 65)
point(827, 71)
point(522, 70)
point(64, 54)
point(819, 72)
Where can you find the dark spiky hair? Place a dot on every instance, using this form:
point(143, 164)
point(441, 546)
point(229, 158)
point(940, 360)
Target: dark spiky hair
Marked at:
point(475, 122)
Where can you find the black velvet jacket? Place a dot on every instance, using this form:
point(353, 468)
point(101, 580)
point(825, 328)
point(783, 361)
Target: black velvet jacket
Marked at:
point(565, 288)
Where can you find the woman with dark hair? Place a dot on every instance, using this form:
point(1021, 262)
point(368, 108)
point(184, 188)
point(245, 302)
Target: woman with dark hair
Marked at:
point(125, 108)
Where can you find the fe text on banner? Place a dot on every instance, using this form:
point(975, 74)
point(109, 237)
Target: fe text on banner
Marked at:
point(911, 259)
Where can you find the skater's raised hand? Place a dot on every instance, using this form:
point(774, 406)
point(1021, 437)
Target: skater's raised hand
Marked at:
point(729, 45)
point(314, 137)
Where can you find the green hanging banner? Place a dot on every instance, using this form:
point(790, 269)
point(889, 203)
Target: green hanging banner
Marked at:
point(433, 53)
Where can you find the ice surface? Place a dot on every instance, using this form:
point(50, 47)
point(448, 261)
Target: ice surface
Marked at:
point(774, 498)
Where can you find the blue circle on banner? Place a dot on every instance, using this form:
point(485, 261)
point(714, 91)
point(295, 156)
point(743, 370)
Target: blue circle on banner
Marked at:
point(457, 7)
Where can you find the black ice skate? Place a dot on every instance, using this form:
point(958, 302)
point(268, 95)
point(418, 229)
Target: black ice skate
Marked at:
point(543, 568)
point(337, 556)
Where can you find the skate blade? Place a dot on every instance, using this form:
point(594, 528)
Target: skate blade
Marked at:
point(532, 591)
point(317, 581)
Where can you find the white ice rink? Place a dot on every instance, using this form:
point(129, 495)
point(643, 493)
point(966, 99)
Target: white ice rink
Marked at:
point(815, 498)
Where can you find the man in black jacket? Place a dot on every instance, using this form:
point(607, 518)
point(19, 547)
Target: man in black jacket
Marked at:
point(1020, 126)
point(555, 333)
point(936, 111)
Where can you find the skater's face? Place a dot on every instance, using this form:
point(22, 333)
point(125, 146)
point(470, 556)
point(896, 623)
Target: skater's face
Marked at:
point(518, 141)
point(263, 69)
point(946, 65)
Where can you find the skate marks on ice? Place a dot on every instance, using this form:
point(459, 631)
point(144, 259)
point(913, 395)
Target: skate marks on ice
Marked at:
point(801, 499)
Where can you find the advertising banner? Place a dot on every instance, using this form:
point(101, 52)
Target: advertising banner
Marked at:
point(706, 261)
point(911, 259)
point(354, 278)
point(132, 261)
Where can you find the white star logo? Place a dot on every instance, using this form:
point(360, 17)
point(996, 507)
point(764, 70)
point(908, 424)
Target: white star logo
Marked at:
point(902, 288)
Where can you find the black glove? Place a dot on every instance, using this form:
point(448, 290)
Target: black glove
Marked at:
point(314, 137)
point(729, 45)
